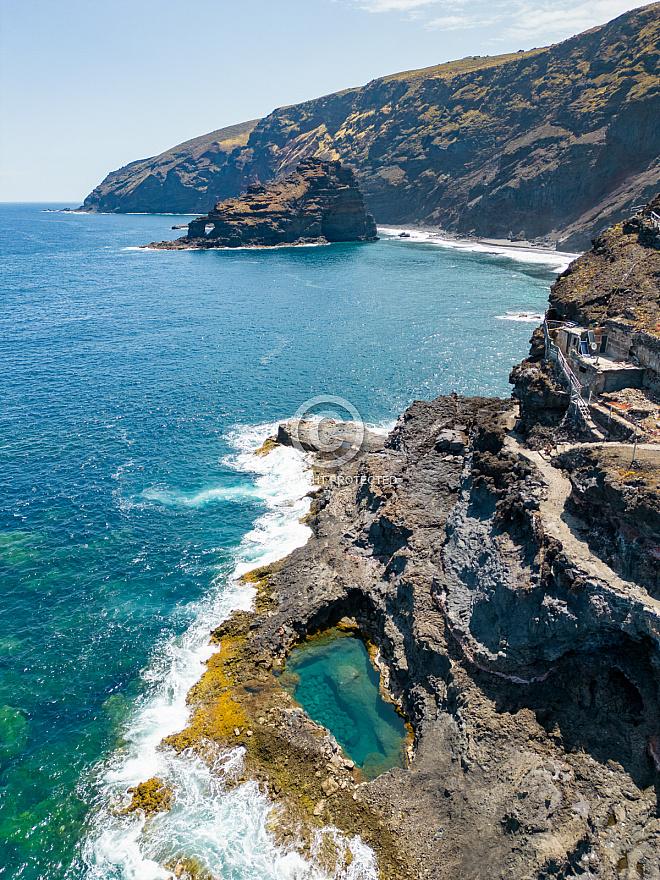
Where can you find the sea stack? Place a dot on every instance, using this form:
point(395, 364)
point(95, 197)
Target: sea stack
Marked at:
point(319, 202)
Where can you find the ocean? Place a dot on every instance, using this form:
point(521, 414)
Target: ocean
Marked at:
point(135, 386)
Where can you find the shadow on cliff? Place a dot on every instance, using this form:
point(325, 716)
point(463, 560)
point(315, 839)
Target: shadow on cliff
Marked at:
point(601, 703)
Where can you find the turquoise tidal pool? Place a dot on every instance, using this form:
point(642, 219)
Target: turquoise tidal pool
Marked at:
point(332, 678)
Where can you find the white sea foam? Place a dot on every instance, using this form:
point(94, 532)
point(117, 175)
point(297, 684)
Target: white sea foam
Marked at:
point(142, 249)
point(199, 499)
point(251, 247)
point(409, 234)
point(270, 247)
point(384, 427)
point(224, 829)
point(558, 260)
point(523, 317)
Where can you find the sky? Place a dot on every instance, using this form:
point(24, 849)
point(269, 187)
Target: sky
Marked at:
point(87, 86)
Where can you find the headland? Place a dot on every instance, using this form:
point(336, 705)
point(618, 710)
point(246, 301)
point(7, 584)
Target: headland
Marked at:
point(505, 578)
point(549, 145)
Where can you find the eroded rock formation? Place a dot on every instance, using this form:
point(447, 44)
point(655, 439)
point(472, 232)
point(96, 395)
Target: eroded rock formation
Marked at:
point(319, 202)
point(617, 279)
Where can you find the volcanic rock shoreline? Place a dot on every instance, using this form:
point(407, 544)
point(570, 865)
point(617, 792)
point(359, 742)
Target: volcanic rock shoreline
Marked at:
point(509, 597)
point(527, 671)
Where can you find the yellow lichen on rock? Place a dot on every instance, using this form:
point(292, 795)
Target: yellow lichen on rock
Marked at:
point(267, 446)
point(186, 868)
point(218, 713)
point(152, 796)
point(240, 702)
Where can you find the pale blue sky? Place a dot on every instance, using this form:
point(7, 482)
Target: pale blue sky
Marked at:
point(89, 85)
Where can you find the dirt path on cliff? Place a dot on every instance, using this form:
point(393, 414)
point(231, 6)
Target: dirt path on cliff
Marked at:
point(644, 450)
point(567, 529)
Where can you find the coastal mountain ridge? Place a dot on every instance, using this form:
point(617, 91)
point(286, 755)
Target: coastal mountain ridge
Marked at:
point(552, 144)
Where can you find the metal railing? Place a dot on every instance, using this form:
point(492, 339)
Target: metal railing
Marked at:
point(576, 389)
point(655, 218)
point(554, 353)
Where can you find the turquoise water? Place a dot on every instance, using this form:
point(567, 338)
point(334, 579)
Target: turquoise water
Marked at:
point(334, 681)
point(134, 386)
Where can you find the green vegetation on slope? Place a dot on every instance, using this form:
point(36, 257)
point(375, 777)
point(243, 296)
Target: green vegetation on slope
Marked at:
point(174, 181)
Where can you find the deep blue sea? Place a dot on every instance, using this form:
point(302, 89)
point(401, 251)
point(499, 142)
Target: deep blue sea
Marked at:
point(134, 386)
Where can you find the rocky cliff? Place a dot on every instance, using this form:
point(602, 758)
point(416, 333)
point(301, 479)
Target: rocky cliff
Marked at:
point(182, 180)
point(618, 278)
point(526, 665)
point(551, 144)
point(510, 600)
point(319, 202)
point(614, 286)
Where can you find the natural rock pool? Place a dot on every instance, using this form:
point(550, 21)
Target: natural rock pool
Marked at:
point(332, 678)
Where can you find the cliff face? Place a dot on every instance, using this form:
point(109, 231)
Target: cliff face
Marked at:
point(554, 143)
point(613, 288)
point(527, 667)
point(618, 278)
point(319, 201)
point(183, 180)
